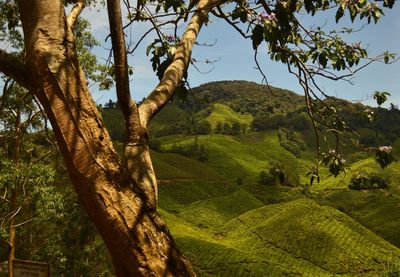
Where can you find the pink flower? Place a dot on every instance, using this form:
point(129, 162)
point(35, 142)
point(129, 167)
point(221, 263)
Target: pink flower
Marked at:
point(386, 149)
point(356, 45)
point(170, 38)
point(265, 16)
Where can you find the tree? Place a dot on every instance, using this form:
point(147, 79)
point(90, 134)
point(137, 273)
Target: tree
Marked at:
point(120, 193)
point(218, 128)
point(18, 115)
point(203, 127)
point(226, 128)
point(236, 128)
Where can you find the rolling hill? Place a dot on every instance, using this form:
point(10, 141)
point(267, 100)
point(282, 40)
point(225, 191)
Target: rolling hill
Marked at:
point(269, 230)
point(229, 223)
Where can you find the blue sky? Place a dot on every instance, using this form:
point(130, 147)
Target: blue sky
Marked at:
point(236, 62)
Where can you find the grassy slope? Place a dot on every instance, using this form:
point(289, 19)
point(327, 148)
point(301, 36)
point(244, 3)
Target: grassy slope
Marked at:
point(183, 180)
point(368, 165)
point(256, 230)
point(242, 156)
point(378, 210)
point(168, 115)
point(235, 231)
point(320, 238)
point(222, 113)
point(293, 238)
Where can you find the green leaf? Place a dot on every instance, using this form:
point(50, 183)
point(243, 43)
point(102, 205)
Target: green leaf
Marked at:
point(257, 36)
point(162, 67)
point(381, 97)
point(386, 59)
point(181, 92)
point(339, 14)
point(388, 3)
point(243, 17)
point(384, 156)
point(322, 60)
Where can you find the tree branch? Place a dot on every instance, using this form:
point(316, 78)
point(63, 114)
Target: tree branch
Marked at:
point(126, 103)
point(12, 67)
point(222, 15)
point(119, 53)
point(75, 12)
point(160, 96)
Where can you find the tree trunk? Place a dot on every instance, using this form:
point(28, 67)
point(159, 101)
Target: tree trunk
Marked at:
point(14, 194)
point(11, 234)
point(137, 238)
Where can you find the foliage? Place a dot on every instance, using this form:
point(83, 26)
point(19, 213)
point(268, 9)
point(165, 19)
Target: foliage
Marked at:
point(393, 271)
point(268, 122)
point(278, 172)
point(193, 150)
point(299, 121)
point(26, 174)
point(362, 181)
point(334, 161)
point(381, 97)
point(384, 156)
point(99, 73)
point(289, 43)
point(203, 127)
point(253, 240)
point(243, 97)
point(291, 141)
point(282, 173)
point(266, 178)
point(113, 119)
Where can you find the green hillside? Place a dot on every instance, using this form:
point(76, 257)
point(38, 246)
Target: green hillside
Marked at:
point(293, 238)
point(376, 210)
point(270, 230)
point(222, 113)
point(232, 217)
point(241, 156)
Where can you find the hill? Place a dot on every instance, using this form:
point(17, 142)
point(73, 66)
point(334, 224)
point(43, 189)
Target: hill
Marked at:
point(232, 217)
point(287, 239)
point(243, 97)
point(252, 229)
point(234, 107)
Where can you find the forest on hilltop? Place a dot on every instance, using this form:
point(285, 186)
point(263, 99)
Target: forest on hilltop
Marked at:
point(216, 107)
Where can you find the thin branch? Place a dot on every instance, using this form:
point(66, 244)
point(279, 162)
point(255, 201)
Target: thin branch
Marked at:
point(4, 199)
point(144, 36)
point(15, 212)
point(24, 222)
point(75, 12)
point(265, 6)
point(222, 15)
point(120, 61)
point(193, 63)
point(308, 100)
point(8, 83)
point(153, 22)
point(160, 96)
point(12, 67)
point(43, 157)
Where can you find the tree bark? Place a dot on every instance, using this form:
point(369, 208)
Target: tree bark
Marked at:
point(11, 234)
point(14, 194)
point(137, 238)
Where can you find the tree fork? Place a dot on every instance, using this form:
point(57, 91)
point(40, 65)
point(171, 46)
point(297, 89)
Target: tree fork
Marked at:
point(137, 238)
